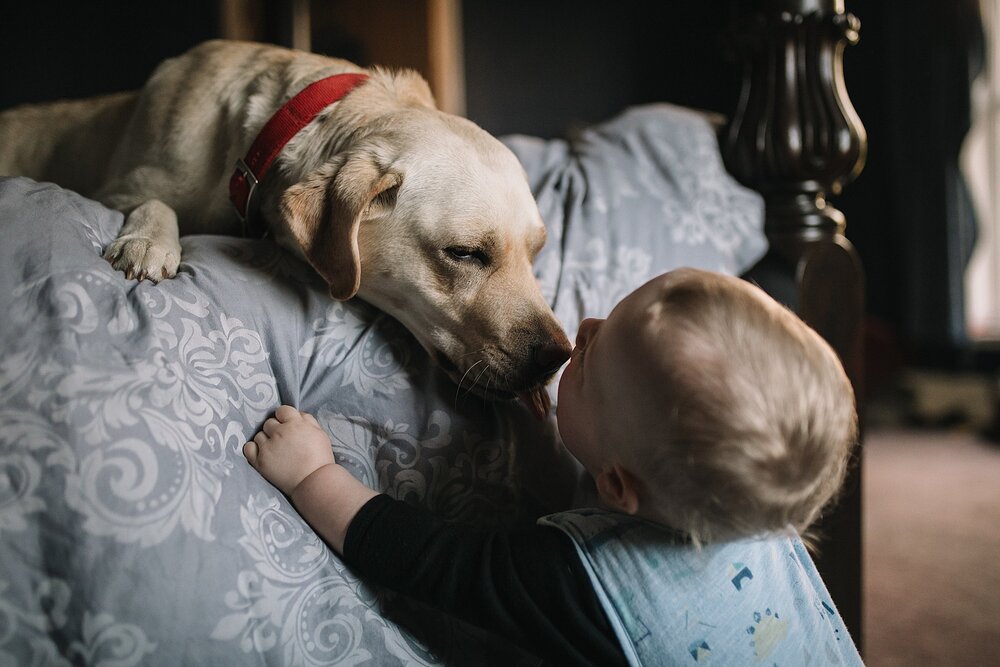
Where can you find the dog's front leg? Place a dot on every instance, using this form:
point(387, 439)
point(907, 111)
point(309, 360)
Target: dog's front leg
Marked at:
point(148, 245)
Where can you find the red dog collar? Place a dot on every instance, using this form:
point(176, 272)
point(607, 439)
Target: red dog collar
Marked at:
point(278, 131)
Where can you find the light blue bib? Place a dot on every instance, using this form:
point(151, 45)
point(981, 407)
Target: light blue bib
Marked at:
point(757, 601)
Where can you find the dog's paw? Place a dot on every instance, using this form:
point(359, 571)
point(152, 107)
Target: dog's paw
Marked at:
point(143, 258)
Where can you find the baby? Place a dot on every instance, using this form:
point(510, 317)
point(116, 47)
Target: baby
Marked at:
point(715, 424)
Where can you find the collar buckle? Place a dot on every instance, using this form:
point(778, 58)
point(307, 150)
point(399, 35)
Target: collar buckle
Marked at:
point(252, 182)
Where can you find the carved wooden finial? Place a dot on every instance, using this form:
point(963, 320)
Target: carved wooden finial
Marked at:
point(795, 136)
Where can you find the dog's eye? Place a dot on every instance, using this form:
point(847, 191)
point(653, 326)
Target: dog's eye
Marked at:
point(460, 254)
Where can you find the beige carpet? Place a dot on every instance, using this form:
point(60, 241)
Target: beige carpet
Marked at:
point(932, 549)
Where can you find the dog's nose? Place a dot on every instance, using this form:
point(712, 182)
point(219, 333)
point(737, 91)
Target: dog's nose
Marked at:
point(549, 357)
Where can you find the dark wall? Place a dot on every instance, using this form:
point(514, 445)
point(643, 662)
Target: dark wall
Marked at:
point(51, 50)
point(540, 67)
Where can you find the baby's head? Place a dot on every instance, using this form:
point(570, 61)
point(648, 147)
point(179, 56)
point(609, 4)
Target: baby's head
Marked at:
point(703, 404)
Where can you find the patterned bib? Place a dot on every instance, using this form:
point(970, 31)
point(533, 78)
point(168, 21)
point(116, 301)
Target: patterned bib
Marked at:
point(756, 601)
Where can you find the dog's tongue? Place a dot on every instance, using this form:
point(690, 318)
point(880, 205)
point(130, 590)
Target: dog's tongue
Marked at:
point(538, 402)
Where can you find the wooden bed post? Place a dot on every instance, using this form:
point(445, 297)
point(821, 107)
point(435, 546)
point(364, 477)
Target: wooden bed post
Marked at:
point(796, 138)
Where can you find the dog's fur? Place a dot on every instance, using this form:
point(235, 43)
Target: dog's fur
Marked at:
point(419, 212)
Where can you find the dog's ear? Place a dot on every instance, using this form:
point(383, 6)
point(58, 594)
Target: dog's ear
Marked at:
point(324, 213)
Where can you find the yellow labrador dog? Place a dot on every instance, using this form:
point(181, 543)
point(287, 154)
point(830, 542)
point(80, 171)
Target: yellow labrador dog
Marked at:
point(419, 212)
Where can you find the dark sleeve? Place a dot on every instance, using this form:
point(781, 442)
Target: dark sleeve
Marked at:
point(526, 585)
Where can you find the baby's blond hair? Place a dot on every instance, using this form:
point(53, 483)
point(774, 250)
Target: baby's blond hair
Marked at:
point(759, 416)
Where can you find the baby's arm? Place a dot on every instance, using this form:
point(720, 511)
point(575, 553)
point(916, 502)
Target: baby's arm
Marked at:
point(292, 452)
point(527, 585)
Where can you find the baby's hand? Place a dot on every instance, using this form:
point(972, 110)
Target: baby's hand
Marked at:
point(288, 448)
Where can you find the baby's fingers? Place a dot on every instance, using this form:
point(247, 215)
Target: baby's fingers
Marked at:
point(270, 425)
point(285, 413)
point(250, 451)
point(309, 418)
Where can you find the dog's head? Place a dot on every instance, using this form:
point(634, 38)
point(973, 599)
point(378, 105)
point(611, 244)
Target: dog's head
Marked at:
point(432, 220)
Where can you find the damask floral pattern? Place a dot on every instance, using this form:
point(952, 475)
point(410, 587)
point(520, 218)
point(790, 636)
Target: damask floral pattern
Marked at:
point(132, 531)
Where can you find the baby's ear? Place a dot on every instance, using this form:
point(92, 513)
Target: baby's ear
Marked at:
point(618, 488)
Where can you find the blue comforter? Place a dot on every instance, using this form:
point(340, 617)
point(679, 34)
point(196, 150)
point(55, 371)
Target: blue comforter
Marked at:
point(132, 530)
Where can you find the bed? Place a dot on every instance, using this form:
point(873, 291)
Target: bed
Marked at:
point(132, 531)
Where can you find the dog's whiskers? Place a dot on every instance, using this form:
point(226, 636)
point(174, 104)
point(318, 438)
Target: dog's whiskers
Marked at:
point(465, 375)
point(478, 377)
point(475, 382)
